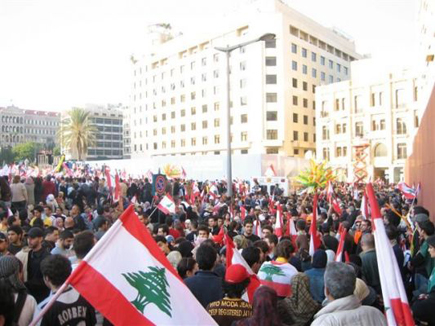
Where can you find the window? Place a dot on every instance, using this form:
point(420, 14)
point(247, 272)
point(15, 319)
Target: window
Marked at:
point(344, 127)
point(296, 151)
point(294, 65)
point(216, 106)
point(172, 115)
point(193, 95)
point(338, 128)
point(270, 44)
point(322, 76)
point(295, 100)
point(357, 104)
point(271, 134)
point(216, 122)
point(416, 122)
point(193, 142)
point(331, 79)
point(271, 97)
point(313, 56)
point(204, 108)
point(305, 103)
point(294, 48)
point(382, 124)
point(243, 136)
point(338, 152)
point(346, 70)
point(270, 61)
point(331, 64)
point(243, 101)
point(305, 136)
point(400, 99)
point(304, 52)
point(400, 126)
point(305, 119)
point(359, 131)
point(242, 83)
point(271, 116)
point(183, 113)
point(295, 135)
point(304, 86)
point(326, 154)
point(295, 117)
point(216, 74)
point(183, 127)
point(338, 67)
point(325, 133)
point(217, 139)
point(193, 110)
point(270, 79)
point(295, 82)
point(216, 57)
point(183, 143)
point(193, 126)
point(243, 151)
point(172, 129)
point(204, 124)
point(304, 69)
point(272, 150)
point(415, 94)
point(244, 118)
point(322, 60)
point(182, 98)
point(380, 150)
point(401, 151)
point(313, 73)
point(204, 140)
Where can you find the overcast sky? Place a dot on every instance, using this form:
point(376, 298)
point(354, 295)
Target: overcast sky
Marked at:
point(55, 54)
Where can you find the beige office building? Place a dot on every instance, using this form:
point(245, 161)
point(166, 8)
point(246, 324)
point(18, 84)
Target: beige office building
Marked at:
point(376, 108)
point(178, 98)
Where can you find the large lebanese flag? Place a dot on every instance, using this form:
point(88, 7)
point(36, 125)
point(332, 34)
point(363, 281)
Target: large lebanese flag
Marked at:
point(407, 191)
point(396, 303)
point(234, 257)
point(128, 279)
point(314, 237)
point(167, 205)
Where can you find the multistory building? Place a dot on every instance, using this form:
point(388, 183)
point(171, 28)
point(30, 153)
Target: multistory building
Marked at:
point(379, 111)
point(20, 126)
point(178, 97)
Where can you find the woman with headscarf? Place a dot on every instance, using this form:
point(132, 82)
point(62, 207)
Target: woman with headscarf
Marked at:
point(25, 304)
point(300, 307)
point(30, 187)
point(265, 309)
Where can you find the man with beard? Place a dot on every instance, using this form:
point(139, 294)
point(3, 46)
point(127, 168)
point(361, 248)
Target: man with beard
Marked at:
point(64, 243)
point(31, 260)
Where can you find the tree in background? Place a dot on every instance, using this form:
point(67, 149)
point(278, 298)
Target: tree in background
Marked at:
point(77, 133)
point(25, 151)
point(6, 155)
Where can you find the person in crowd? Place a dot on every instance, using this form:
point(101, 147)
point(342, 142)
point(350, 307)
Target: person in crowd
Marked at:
point(187, 267)
point(31, 260)
point(248, 231)
point(102, 227)
point(271, 241)
point(63, 245)
point(23, 305)
point(19, 194)
point(316, 275)
point(82, 245)
point(264, 309)
point(302, 238)
point(299, 308)
point(205, 285)
point(70, 308)
point(15, 236)
point(369, 262)
point(51, 235)
point(4, 244)
point(232, 307)
point(252, 257)
point(343, 307)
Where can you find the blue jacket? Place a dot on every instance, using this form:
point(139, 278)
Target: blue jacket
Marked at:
point(317, 283)
point(206, 286)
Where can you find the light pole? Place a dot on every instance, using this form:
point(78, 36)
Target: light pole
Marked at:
point(227, 50)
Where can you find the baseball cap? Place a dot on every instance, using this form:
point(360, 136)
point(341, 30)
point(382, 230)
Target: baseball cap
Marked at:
point(35, 233)
point(236, 273)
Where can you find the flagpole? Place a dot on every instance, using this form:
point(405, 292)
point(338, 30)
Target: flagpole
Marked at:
point(49, 304)
point(153, 212)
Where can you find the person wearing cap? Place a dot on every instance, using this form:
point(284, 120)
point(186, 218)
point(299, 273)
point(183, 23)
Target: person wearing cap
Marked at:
point(31, 260)
point(232, 307)
point(422, 309)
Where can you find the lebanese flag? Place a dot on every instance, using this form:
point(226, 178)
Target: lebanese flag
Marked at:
point(257, 228)
point(117, 188)
point(219, 238)
point(365, 212)
point(329, 192)
point(336, 206)
point(396, 304)
point(278, 223)
point(243, 213)
point(167, 205)
point(314, 237)
point(131, 291)
point(108, 177)
point(340, 250)
point(291, 230)
point(233, 256)
point(407, 191)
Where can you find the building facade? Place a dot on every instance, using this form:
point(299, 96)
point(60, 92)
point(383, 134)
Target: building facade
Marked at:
point(20, 126)
point(109, 139)
point(126, 133)
point(178, 97)
point(379, 112)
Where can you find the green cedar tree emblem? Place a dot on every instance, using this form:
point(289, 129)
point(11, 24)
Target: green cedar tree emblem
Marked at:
point(271, 270)
point(151, 288)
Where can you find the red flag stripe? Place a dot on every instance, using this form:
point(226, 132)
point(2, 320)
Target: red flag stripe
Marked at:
point(108, 299)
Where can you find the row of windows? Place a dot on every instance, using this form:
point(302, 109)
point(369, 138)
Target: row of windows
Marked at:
point(20, 120)
point(305, 119)
point(304, 85)
point(319, 43)
point(295, 101)
point(380, 151)
point(305, 136)
point(115, 122)
point(314, 73)
point(105, 152)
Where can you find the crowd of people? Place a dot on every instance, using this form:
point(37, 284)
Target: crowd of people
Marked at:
point(48, 225)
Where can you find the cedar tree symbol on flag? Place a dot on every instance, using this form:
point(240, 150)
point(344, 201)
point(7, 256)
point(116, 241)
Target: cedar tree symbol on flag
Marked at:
point(151, 288)
point(270, 271)
point(167, 205)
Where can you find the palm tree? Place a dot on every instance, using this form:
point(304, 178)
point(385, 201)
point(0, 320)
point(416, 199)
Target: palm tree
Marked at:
point(77, 133)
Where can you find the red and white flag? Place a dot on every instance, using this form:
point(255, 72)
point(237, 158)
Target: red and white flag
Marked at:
point(397, 309)
point(117, 194)
point(336, 206)
point(278, 223)
point(131, 291)
point(167, 205)
point(329, 192)
point(340, 250)
point(242, 213)
point(233, 256)
point(365, 212)
point(314, 237)
point(108, 177)
point(407, 191)
point(257, 228)
point(291, 230)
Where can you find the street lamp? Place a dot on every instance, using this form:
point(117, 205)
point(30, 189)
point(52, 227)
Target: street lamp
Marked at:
point(227, 50)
